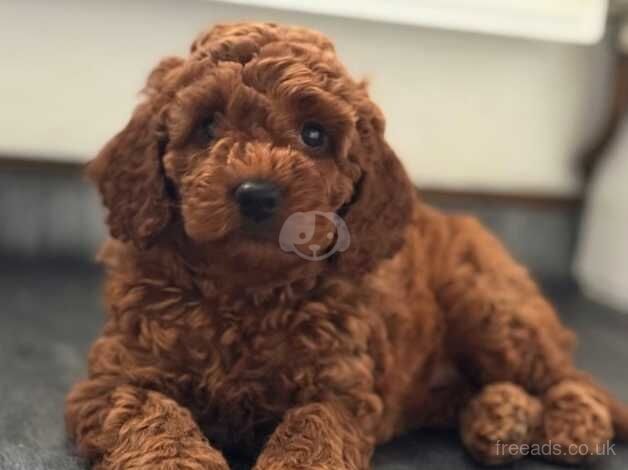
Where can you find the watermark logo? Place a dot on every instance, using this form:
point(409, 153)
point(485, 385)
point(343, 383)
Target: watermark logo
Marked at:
point(555, 449)
point(299, 229)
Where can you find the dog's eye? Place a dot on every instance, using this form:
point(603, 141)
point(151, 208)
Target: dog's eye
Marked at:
point(313, 135)
point(208, 128)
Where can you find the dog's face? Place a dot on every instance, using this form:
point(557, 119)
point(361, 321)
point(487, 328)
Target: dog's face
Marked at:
point(259, 123)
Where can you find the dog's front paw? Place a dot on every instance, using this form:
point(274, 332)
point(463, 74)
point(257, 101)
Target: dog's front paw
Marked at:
point(303, 454)
point(300, 462)
point(154, 432)
point(165, 456)
point(318, 436)
point(166, 463)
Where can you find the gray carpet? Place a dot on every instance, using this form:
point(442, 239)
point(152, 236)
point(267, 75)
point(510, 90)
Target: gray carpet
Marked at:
point(50, 312)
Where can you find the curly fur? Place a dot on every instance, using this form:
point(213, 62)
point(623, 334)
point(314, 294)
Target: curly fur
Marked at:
point(217, 341)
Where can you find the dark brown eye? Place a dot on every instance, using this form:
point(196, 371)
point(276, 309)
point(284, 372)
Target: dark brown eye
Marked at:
point(208, 128)
point(313, 135)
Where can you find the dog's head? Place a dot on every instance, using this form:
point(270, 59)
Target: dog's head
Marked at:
point(258, 123)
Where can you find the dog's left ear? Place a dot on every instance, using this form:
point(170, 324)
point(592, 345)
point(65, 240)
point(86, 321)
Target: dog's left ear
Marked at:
point(383, 196)
point(128, 169)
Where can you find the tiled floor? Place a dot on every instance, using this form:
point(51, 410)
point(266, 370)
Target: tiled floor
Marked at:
point(50, 312)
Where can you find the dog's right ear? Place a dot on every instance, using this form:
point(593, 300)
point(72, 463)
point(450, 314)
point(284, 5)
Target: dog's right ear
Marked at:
point(128, 170)
point(383, 199)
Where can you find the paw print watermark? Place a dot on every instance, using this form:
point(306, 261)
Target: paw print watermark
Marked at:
point(299, 229)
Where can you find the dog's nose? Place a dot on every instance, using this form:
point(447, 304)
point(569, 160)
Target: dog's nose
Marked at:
point(258, 200)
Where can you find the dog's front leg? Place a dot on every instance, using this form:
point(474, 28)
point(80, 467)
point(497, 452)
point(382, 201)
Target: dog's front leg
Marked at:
point(119, 421)
point(131, 428)
point(128, 427)
point(318, 436)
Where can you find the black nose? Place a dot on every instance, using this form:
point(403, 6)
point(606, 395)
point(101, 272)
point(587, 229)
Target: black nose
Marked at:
point(258, 200)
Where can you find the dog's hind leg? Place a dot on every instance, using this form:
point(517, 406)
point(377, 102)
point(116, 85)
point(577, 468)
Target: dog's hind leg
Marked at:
point(499, 422)
point(570, 423)
point(505, 337)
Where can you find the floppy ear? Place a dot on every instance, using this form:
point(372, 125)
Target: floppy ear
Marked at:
point(383, 197)
point(128, 170)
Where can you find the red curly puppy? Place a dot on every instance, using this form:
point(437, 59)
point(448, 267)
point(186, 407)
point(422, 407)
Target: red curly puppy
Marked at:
point(217, 339)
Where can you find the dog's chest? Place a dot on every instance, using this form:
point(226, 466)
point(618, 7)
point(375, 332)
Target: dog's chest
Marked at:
point(253, 366)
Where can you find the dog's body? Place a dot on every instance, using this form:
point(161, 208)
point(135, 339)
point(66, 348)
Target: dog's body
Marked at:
point(216, 340)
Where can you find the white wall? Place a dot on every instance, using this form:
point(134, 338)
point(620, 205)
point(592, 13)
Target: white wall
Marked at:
point(464, 110)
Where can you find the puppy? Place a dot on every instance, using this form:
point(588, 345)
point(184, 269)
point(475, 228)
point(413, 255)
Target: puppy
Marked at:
point(275, 287)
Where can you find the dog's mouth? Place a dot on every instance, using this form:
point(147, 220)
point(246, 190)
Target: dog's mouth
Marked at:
point(250, 217)
point(315, 237)
point(262, 231)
